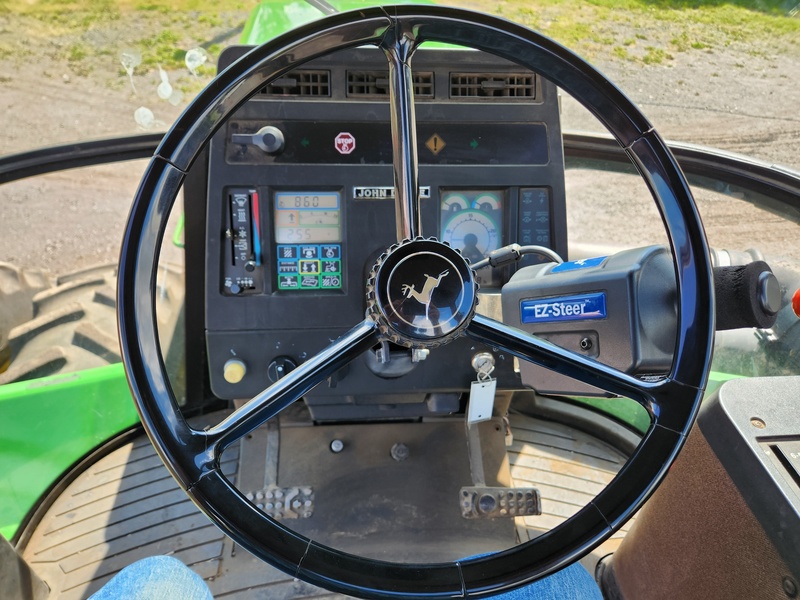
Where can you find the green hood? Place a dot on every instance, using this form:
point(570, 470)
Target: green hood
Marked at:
point(275, 17)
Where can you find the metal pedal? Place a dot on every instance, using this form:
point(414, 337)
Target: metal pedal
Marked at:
point(284, 502)
point(492, 502)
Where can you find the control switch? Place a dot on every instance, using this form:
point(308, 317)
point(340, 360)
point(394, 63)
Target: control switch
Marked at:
point(269, 139)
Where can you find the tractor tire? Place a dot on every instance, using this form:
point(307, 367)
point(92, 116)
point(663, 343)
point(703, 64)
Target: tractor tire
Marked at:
point(17, 289)
point(74, 324)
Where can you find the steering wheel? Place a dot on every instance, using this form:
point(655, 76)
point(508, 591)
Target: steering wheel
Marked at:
point(193, 455)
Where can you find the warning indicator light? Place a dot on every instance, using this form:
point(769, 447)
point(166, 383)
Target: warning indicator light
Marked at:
point(345, 143)
point(435, 144)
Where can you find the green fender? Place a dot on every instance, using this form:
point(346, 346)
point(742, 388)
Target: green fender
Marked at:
point(49, 424)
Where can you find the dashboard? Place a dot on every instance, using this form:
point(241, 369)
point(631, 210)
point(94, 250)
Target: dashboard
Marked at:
point(299, 207)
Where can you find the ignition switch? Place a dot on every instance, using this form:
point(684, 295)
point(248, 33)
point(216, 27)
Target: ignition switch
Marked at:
point(483, 362)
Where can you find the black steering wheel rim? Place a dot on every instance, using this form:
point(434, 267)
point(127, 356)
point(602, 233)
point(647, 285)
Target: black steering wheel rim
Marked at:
point(193, 456)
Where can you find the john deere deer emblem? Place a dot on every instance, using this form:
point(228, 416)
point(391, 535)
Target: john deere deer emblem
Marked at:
point(424, 296)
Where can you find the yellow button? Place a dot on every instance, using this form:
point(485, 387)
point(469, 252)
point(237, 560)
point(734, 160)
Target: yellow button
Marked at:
point(234, 370)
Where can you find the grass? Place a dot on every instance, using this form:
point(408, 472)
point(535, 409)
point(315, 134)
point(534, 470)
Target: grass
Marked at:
point(670, 26)
point(90, 34)
point(684, 42)
point(163, 48)
point(655, 56)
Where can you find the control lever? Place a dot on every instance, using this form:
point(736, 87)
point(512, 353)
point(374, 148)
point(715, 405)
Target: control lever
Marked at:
point(746, 296)
point(269, 139)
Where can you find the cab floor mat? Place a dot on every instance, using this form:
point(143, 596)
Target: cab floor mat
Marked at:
point(569, 468)
point(126, 507)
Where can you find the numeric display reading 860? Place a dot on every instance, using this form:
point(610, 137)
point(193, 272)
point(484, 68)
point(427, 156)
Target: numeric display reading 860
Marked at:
point(307, 217)
point(289, 201)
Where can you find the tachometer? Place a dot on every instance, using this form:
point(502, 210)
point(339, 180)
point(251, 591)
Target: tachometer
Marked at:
point(473, 232)
point(471, 220)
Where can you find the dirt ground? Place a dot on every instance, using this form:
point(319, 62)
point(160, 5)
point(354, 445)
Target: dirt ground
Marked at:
point(740, 98)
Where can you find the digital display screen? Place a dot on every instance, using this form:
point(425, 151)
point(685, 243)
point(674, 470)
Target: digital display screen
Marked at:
point(307, 217)
point(308, 235)
point(312, 201)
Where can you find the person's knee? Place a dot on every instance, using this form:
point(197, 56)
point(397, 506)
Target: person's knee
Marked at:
point(570, 583)
point(166, 568)
point(155, 578)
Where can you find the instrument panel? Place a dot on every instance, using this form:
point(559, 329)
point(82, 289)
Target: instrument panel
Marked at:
point(300, 205)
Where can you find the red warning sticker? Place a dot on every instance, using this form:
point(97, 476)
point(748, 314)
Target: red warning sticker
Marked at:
point(345, 143)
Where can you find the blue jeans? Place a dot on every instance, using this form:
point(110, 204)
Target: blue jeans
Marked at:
point(167, 578)
point(155, 578)
point(570, 583)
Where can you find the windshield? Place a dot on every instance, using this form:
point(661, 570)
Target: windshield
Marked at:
point(718, 74)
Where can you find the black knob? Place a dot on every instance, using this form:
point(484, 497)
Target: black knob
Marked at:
point(746, 296)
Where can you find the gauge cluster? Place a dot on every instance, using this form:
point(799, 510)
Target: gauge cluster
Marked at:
point(292, 232)
point(472, 222)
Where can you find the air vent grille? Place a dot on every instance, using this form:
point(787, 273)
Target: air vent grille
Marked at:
point(375, 84)
point(303, 82)
point(493, 85)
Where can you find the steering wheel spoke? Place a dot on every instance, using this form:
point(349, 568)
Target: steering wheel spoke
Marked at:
point(288, 389)
point(546, 354)
point(399, 47)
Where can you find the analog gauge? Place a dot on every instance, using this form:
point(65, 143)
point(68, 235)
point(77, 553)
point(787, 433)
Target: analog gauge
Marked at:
point(453, 203)
point(486, 202)
point(473, 232)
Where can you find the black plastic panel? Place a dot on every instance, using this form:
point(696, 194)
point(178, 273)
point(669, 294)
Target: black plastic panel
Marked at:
point(753, 426)
point(441, 143)
point(487, 143)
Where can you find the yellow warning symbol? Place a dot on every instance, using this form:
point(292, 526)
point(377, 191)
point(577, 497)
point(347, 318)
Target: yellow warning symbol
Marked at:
point(435, 144)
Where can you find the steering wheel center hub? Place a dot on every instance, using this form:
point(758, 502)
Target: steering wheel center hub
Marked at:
point(421, 293)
